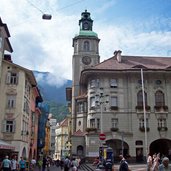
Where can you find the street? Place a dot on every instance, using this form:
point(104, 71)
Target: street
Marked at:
point(89, 167)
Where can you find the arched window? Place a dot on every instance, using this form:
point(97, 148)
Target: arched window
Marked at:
point(159, 98)
point(86, 46)
point(140, 98)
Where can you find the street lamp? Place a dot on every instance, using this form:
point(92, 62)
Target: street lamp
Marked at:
point(103, 99)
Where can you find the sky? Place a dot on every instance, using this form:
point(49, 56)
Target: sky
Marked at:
point(136, 27)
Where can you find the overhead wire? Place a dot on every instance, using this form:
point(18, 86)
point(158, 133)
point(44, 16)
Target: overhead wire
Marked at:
point(33, 5)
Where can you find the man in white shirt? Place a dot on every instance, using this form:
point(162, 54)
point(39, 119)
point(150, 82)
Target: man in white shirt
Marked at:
point(14, 164)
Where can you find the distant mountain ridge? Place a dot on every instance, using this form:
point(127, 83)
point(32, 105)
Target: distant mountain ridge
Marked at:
point(55, 92)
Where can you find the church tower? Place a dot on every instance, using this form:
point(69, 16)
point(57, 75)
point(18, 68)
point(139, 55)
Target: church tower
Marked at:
point(86, 55)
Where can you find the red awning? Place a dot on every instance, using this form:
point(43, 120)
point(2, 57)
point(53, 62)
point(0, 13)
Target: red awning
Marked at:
point(5, 145)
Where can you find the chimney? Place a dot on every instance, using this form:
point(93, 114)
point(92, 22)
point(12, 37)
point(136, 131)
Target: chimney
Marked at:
point(118, 55)
point(7, 57)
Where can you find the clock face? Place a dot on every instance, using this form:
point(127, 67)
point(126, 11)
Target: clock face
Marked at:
point(86, 60)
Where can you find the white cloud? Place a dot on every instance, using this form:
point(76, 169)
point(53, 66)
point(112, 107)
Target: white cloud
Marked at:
point(47, 45)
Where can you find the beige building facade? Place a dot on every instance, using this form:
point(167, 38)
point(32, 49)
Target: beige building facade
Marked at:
point(127, 98)
point(19, 97)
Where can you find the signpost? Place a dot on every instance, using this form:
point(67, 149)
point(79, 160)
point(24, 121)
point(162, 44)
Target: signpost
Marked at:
point(102, 136)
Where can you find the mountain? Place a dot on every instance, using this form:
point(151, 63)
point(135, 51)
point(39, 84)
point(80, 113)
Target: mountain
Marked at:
point(53, 94)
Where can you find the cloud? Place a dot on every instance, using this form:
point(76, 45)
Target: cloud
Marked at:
point(47, 45)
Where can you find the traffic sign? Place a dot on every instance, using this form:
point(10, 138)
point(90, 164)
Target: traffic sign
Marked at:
point(102, 136)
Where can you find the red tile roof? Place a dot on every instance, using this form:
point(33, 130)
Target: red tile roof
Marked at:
point(79, 133)
point(64, 122)
point(131, 62)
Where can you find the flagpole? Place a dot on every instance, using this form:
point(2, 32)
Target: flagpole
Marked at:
point(145, 121)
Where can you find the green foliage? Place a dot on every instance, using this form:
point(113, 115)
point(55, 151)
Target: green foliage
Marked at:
point(58, 111)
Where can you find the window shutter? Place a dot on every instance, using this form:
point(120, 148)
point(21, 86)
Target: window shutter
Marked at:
point(4, 126)
point(8, 78)
point(14, 126)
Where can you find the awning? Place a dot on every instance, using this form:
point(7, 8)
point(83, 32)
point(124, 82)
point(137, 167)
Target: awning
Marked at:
point(5, 145)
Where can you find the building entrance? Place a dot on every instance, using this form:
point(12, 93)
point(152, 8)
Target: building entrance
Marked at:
point(119, 147)
point(162, 146)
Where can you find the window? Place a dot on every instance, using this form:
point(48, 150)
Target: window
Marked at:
point(138, 142)
point(9, 126)
point(142, 124)
point(92, 123)
point(113, 83)
point(86, 46)
point(114, 123)
point(140, 98)
point(98, 123)
point(94, 83)
point(114, 101)
point(11, 101)
point(80, 108)
point(12, 78)
point(26, 106)
point(92, 101)
point(162, 123)
point(159, 98)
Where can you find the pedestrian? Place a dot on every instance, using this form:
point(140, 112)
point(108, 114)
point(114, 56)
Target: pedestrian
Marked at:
point(74, 164)
point(6, 164)
point(123, 164)
point(33, 162)
point(165, 165)
point(44, 165)
point(39, 164)
point(67, 164)
point(14, 164)
point(149, 162)
point(22, 164)
point(156, 159)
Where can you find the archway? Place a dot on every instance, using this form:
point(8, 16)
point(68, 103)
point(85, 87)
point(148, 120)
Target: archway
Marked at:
point(162, 146)
point(24, 152)
point(118, 147)
point(80, 150)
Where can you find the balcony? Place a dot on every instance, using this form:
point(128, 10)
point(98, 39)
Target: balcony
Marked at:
point(142, 129)
point(91, 130)
point(141, 108)
point(114, 107)
point(162, 128)
point(114, 129)
point(161, 108)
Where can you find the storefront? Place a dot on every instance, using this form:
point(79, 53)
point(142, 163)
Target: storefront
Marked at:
point(6, 149)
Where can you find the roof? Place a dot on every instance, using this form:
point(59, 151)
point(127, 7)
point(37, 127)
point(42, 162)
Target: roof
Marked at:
point(79, 133)
point(134, 62)
point(27, 71)
point(87, 33)
point(64, 122)
point(5, 145)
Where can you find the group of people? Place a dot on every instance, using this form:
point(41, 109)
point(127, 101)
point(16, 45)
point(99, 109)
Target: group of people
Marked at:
point(14, 164)
point(157, 163)
point(68, 164)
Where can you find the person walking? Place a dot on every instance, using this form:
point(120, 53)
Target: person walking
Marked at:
point(123, 164)
point(44, 165)
point(14, 164)
point(22, 164)
point(149, 162)
point(67, 164)
point(6, 164)
point(165, 165)
point(156, 158)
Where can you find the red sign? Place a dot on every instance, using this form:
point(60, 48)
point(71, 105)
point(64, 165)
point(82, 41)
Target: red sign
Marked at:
point(102, 136)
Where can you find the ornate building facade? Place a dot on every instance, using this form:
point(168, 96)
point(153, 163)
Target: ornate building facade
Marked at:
point(127, 98)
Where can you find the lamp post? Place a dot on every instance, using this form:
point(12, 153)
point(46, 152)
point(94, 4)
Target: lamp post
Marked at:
point(145, 123)
point(101, 101)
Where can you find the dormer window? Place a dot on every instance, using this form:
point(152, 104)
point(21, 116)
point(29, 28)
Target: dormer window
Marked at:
point(113, 83)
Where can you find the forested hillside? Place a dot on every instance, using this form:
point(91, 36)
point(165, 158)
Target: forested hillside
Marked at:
point(53, 94)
